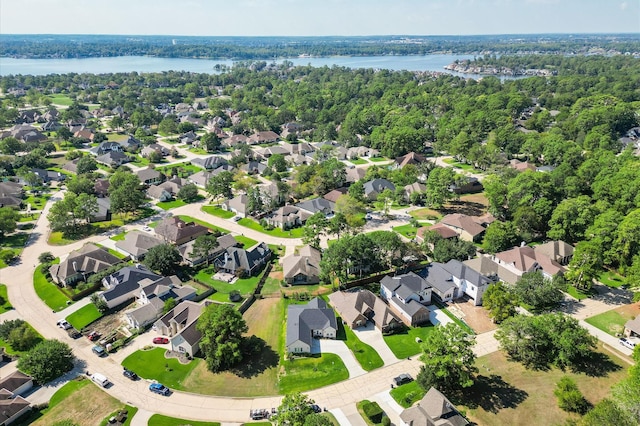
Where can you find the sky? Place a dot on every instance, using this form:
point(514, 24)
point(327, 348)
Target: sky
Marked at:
point(318, 17)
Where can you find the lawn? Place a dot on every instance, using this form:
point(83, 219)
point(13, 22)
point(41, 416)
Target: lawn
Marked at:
point(358, 161)
point(408, 230)
point(151, 364)
point(63, 100)
point(243, 285)
point(185, 167)
point(70, 403)
point(9, 349)
point(577, 293)
point(119, 237)
point(303, 374)
point(218, 212)
point(611, 322)
point(506, 393)
point(203, 223)
point(404, 344)
point(367, 357)
point(378, 159)
point(130, 410)
point(49, 292)
point(245, 241)
point(160, 420)
point(611, 279)
point(275, 232)
point(4, 299)
point(84, 316)
point(168, 205)
point(425, 214)
point(463, 166)
point(407, 394)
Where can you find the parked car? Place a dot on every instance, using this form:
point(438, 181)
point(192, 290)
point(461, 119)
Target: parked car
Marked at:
point(316, 408)
point(93, 336)
point(73, 333)
point(627, 343)
point(402, 379)
point(146, 229)
point(159, 388)
point(99, 350)
point(130, 374)
point(63, 324)
point(236, 218)
point(160, 340)
point(100, 379)
point(368, 216)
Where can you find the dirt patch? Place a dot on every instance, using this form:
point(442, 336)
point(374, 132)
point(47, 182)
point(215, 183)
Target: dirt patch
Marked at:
point(632, 310)
point(475, 198)
point(476, 317)
point(278, 275)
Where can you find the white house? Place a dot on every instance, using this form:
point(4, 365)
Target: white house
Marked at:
point(407, 295)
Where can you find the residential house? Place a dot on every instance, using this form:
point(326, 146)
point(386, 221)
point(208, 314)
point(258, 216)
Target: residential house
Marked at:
point(176, 231)
point(287, 217)
point(272, 194)
point(113, 159)
point(355, 174)
point(136, 244)
point(253, 167)
point(410, 158)
point(47, 176)
point(101, 187)
point(24, 132)
point(12, 407)
point(105, 147)
point(71, 166)
point(442, 230)
point(413, 188)
point(51, 126)
point(203, 177)
point(188, 256)
point(301, 148)
point(632, 327)
point(104, 210)
point(434, 409)
point(209, 163)
point(513, 263)
point(152, 298)
point(11, 189)
point(316, 205)
point(265, 153)
point(241, 262)
point(17, 383)
point(237, 205)
point(374, 187)
point(124, 285)
point(130, 144)
point(154, 147)
point(188, 138)
point(263, 137)
point(468, 228)
point(166, 190)
point(302, 267)
point(149, 176)
point(234, 140)
point(407, 295)
point(471, 185)
point(357, 307)
point(9, 201)
point(179, 324)
point(308, 322)
point(455, 279)
point(521, 166)
point(82, 263)
point(333, 196)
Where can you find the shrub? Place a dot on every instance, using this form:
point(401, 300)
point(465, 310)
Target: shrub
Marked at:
point(373, 411)
point(569, 396)
point(46, 257)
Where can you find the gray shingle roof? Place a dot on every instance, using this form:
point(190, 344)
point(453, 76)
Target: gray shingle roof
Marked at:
point(303, 319)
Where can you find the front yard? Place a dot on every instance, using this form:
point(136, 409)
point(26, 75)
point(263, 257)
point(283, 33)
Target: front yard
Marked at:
point(367, 357)
point(275, 232)
point(84, 316)
point(217, 212)
point(611, 279)
point(160, 420)
point(152, 364)
point(408, 231)
point(4, 300)
point(304, 374)
point(404, 344)
point(613, 321)
point(49, 293)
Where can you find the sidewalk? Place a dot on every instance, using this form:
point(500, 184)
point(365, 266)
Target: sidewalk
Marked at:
point(74, 307)
point(605, 338)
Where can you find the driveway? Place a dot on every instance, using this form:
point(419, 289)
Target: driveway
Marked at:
point(340, 348)
point(373, 337)
point(607, 298)
point(436, 316)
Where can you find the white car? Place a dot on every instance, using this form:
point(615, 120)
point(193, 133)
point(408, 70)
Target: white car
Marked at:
point(63, 324)
point(627, 343)
point(146, 229)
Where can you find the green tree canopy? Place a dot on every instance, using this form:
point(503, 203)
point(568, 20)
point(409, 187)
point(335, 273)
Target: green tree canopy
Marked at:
point(163, 258)
point(222, 328)
point(46, 361)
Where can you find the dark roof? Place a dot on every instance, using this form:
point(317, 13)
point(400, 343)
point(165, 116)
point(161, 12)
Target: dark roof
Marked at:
point(14, 380)
point(303, 319)
point(234, 258)
point(211, 162)
point(317, 205)
point(174, 229)
point(127, 280)
point(88, 259)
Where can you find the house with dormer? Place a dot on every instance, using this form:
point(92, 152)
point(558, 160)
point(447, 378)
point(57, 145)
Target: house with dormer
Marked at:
point(358, 307)
point(180, 325)
point(407, 294)
point(454, 279)
point(82, 263)
point(550, 259)
point(307, 322)
point(176, 231)
point(241, 262)
point(303, 267)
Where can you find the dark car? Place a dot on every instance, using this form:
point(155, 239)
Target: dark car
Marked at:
point(73, 333)
point(130, 374)
point(99, 350)
point(160, 340)
point(316, 408)
point(159, 388)
point(402, 379)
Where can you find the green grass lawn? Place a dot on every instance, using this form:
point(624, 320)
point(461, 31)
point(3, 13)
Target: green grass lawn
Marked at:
point(218, 212)
point(425, 214)
point(275, 232)
point(611, 279)
point(61, 100)
point(186, 167)
point(577, 293)
point(84, 316)
point(245, 241)
point(167, 205)
point(463, 166)
point(367, 357)
point(129, 409)
point(303, 374)
point(404, 344)
point(11, 351)
point(160, 420)
point(407, 394)
point(119, 237)
point(4, 298)
point(152, 364)
point(378, 159)
point(610, 322)
point(408, 230)
point(243, 285)
point(49, 292)
point(358, 161)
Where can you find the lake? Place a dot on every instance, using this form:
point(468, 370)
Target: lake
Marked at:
point(125, 64)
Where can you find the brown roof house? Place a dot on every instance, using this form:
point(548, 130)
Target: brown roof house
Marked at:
point(303, 267)
point(442, 230)
point(176, 231)
point(358, 307)
point(410, 158)
point(407, 295)
point(434, 409)
point(136, 244)
point(287, 217)
point(224, 242)
point(469, 228)
point(179, 324)
point(81, 263)
point(549, 258)
point(12, 404)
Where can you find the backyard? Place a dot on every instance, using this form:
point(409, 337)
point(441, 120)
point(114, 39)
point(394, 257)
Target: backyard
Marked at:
point(613, 321)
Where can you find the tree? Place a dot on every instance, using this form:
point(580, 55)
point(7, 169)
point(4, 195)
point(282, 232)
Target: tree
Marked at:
point(11, 145)
point(9, 218)
point(449, 360)
point(168, 126)
point(294, 410)
point(571, 218)
point(86, 207)
point(116, 122)
point(64, 133)
point(81, 184)
point(155, 157)
point(222, 327)
point(352, 210)
point(124, 192)
point(46, 257)
point(500, 236)
point(356, 190)
point(188, 193)
point(19, 334)
point(211, 142)
point(384, 201)
point(255, 201)
point(445, 249)
point(163, 258)
point(204, 246)
point(390, 247)
point(540, 341)
point(607, 412)
point(585, 265)
point(277, 162)
point(99, 303)
point(500, 302)
point(314, 228)
point(438, 186)
point(48, 360)
point(539, 292)
point(86, 164)
point(569, 396)
point(220, 185)
point(627, 392)
point(169, 304)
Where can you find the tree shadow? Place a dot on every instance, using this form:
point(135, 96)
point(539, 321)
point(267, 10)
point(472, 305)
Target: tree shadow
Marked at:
point(464, 207)
point(490, 393)
point(258, 358)
point(597, 364)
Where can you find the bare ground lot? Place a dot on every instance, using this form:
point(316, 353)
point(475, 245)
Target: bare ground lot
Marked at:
point(476, 317)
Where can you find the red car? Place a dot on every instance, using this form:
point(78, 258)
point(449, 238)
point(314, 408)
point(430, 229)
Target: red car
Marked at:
point(160, 340)
point(93, 336)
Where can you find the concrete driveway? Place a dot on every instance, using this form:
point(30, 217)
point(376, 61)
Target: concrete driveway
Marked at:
point(373, 337)
point(340, 348)
point(436, 316)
